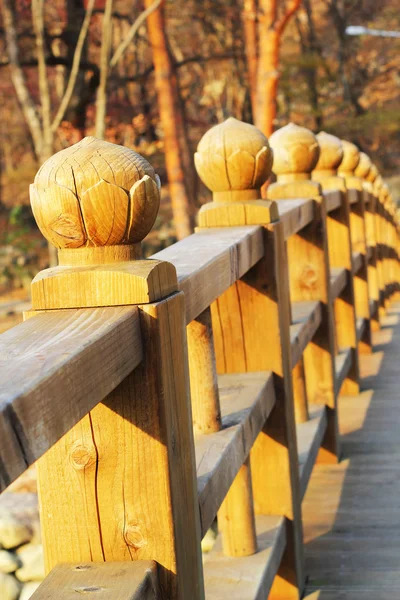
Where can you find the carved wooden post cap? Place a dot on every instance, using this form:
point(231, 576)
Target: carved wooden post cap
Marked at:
point(234, 157)
point(95, 195)
point(351, 158)
point(296, 152)
point(331, 154)
point(373, 173)
point(363, 167)
point(96, 201)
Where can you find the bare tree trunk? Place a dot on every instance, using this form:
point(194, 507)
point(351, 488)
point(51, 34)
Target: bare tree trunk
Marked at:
point(271, 29)
point(251, 45)
point(172, 123)
point(18, 77)
point(101, 102)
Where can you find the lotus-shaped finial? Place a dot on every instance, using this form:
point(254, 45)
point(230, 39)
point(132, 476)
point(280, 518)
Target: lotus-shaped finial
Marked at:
point(296, 151)
point(364, 166)
point(233, 156)
point(95, 194)
point(331, 153)
point(351, 158)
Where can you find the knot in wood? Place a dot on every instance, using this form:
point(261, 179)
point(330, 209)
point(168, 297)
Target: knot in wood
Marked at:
point(309, 277)
point(82, 456)
point(234, 156)
point(134, 537)
point(95, 194)
point(351, 158)
point(331, 153)
point(296, 152)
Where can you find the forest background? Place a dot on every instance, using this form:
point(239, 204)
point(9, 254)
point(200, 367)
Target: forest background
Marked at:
point(157, 80)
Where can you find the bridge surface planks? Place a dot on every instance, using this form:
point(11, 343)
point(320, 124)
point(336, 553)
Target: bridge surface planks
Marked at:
point(351, 510)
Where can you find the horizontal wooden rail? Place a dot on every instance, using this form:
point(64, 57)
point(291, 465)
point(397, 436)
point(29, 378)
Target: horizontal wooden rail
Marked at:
point(247, 577)
point(54, 369)
point(339, 280)
point(333, 200)
point(210, 261)
point(306, 318)
point(112, 580)
point(246, 402)
point(295, 215)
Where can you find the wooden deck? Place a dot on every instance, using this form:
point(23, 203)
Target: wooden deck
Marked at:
point(352, 510)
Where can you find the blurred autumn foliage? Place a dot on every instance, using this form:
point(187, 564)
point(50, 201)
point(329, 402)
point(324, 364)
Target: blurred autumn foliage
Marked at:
point(190, 65)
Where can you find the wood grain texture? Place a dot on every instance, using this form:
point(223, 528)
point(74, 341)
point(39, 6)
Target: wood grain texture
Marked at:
point(250, 577)
point(210, 261)
point(130, 454)
point(117, 580)
point(55, 368)
point(112, 284)
point(246, 403)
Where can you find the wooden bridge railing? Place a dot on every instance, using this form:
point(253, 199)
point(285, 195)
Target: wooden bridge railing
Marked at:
point(264, 311)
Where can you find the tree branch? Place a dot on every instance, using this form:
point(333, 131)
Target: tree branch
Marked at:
point(101, 101)
point(75, 67)
point(38, 25)
point(132, 32)
point(18, 77)
point(283, 21)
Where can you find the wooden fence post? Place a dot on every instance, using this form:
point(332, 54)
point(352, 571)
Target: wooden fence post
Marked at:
point(370, 203)
point(251, 324)
point(340, 251)
point(121, 485)
point(296, 152)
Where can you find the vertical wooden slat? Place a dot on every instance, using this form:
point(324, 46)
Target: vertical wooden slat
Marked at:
point(203, 375)
point(236, 516)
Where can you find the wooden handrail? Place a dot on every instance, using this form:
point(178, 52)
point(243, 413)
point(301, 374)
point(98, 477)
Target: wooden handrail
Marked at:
point(278, 298)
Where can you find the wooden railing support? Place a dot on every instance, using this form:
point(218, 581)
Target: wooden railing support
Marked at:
point(258, 302)
point(309, 270)
point(121, 485)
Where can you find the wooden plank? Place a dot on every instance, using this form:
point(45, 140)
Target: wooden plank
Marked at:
point(54, 369)
point(295, 214)
point(246, 402)
point(343, 363)
point(333, 199)
point(309, 439)
point(306, 317)
point(351, 510)
point(117, 580)
point(210, 261)
point(357, 261)
point(339, 279)
point(249, 577)
point(133, 452)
